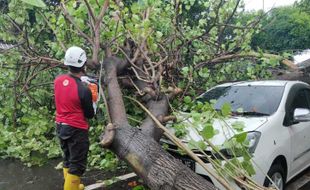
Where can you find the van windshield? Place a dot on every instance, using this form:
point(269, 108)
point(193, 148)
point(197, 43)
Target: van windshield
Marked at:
point(252, 100)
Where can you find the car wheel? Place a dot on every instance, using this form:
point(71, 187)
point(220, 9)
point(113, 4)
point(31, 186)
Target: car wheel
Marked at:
point(276, 173)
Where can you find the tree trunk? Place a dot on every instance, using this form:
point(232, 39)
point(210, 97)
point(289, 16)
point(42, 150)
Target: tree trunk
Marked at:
point(158, 169)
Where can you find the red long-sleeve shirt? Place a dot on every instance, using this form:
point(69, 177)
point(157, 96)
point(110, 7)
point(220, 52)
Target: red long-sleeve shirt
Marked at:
point(73, 101)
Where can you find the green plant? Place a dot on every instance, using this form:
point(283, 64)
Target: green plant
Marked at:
point(223, 157)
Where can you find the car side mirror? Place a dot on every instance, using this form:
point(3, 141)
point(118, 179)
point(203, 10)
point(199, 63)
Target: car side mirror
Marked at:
point(301, 115)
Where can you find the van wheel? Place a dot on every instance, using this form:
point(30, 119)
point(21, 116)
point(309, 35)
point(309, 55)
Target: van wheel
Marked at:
point(276, 173)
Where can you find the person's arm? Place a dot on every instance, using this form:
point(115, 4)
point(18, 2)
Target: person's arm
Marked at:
point(86, 100)
point(87, 104)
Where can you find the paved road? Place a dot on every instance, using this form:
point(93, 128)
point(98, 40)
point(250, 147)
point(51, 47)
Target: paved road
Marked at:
point(16, 176)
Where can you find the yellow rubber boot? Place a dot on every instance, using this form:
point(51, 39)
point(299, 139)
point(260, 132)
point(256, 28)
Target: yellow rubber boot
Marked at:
point(72, 182)
point(81, 186)
point(65, 171)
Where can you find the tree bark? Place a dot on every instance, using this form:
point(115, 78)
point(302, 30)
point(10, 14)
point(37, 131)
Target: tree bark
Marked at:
point(158, 169)
point(159, 108)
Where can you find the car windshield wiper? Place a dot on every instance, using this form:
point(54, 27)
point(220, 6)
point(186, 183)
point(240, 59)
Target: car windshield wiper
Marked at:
point(253, 113)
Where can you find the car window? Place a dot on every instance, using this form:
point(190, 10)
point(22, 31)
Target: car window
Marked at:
point(307, 91)
point(250, 98)
point(298, 97)
point(301, 99)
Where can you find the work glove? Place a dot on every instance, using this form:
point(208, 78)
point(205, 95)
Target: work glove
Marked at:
point(93, 87)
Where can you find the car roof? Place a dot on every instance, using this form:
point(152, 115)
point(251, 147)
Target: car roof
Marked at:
point(259, 83)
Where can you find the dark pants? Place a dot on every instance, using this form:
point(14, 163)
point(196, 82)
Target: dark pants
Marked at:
point(74, 144)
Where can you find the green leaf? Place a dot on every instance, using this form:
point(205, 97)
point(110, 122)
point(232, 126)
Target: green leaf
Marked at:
point(20, 20)
point(241, 137)
point(159, 34)
point(238, 126)
point(286, 55)
point(196, 116)
point(239, 110)
point(204, 73)
point(202, 21)
point(208, 131)
point(180, 130)
point(139, 187)
point(197, 144)
point(36, 3)
point(226, 109)
point(202, 145)
point(247, 165)
point(187, 99)
point(192, 144)
point(185, 71)
point(212, 14)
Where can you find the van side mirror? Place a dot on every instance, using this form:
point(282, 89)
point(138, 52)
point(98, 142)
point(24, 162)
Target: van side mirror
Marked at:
point(301, 115)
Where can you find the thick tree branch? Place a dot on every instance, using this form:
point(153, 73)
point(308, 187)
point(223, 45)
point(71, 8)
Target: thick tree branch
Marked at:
point(159, 108)
point(101, 14)
point(115, 100)
point(96, 44)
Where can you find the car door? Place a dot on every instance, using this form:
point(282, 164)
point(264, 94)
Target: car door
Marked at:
point(299, 132)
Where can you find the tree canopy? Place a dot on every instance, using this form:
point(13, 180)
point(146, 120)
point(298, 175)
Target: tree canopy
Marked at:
point(304, 5)
point(284, 28)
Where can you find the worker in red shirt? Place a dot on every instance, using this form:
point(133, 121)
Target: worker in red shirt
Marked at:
point(74, 106)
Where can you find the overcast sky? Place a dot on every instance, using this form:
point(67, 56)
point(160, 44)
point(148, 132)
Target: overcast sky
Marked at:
point(266, 4)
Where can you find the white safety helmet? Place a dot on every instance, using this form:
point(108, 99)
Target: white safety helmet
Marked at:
point(75, 56)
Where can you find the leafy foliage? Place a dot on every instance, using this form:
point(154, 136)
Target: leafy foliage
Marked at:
point(232, 158)
point(304, 5)
point(27, 126)
point(26, 119)
point(284, 28)
point(37, 3)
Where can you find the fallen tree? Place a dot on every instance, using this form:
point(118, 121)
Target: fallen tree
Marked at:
point(151, 49)
point(156, 167)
